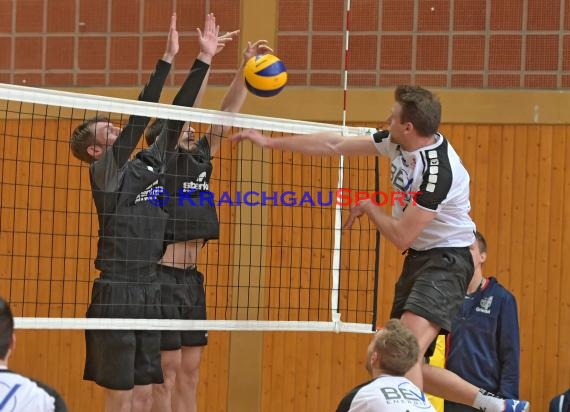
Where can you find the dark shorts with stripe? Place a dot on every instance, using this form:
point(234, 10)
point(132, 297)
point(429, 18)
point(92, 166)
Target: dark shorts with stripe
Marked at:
point(121, 359)
point(183, 297)
point(433, 284)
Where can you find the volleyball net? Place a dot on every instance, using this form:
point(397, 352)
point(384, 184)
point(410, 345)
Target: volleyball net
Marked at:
point(282, 261)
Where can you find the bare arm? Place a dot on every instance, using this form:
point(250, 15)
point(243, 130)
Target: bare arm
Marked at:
point(187, 94)
point(222, 41)
point(322, 144)
point(172, 44)
point(401, 232)
point(133, 131)
point(236, 94)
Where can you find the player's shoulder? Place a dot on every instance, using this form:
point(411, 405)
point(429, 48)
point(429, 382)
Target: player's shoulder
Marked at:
point(346, 402)
point(503, 297)
point(32, 392)
point(7, 375)
point(500, 288)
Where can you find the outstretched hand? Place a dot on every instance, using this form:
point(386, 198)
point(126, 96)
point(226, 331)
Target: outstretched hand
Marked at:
point(356, 212)
point(209, 38)
point(225, 38)
point(252, 135)
point(172, 45)
point(259, 47)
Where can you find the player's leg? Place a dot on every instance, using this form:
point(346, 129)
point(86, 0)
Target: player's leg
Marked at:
point(440, 278)
point(110, 354)
point(193, 342)
point(170, 342)
point(118, 401)
point(186, 388)
point(436, 381)
point(163, 393)
point(425, 332)
point(448, 385)
point(142, 398)
point(429, 293)
point(147, 363)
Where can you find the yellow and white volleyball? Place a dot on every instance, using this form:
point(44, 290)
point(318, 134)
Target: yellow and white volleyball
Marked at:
point(265, 75)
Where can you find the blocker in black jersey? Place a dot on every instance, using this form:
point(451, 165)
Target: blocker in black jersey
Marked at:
point(191, 210)
point(190, 223)
point(131, 229)
point(131, 232)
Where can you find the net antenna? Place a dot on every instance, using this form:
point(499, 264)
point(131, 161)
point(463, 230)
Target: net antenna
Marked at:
point(336, 315)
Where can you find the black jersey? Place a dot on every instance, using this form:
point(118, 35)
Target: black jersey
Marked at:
point(131, 229)
point(191, 210)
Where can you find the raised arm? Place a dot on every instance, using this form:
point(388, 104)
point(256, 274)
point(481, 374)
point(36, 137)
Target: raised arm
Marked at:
point(188, 93)
point(133, 131)
point(223, 39)
point(236, 94)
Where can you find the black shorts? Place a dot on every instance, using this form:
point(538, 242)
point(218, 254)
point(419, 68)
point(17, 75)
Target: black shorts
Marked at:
point(121, 359)
point(183, 297)
point(433, 284)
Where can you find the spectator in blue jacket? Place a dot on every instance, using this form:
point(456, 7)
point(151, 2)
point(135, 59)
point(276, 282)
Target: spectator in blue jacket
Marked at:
point(484, 346)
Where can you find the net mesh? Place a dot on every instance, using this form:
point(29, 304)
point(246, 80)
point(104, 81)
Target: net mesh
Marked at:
point(274, 265)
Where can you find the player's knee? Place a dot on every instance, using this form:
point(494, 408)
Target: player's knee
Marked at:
point(169, 380)
point(189, 378)
point(119, 401)
point(142, 398)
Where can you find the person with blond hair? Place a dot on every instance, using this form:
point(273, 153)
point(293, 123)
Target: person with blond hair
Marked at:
point(392, 352)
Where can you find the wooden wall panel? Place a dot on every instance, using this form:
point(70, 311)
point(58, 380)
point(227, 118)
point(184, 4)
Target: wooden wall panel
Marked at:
point(520, 183)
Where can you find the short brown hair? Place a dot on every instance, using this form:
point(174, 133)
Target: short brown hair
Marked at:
point(481, 242)
point(420, 107)
point(83, 137)
point(397, 348)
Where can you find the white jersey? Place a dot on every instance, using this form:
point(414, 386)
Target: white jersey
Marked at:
point(20, 394)
point(386, 394)
point(441, 182)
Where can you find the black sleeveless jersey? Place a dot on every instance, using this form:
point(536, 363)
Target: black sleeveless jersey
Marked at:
point(191, 209)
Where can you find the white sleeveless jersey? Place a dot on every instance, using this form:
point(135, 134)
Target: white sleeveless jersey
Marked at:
point(20, 394)
point(386, 394)
point(441, 182)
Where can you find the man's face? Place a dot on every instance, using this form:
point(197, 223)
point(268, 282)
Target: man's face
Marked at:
point(105, 135)
point(478, 256)
point(186, 139)
point(395, 125)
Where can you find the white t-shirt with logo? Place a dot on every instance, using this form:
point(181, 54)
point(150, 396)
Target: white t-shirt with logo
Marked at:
point(436, 172)
point(386, 394)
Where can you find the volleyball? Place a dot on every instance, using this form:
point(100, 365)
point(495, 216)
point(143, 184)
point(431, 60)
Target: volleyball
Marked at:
point(265, 75)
